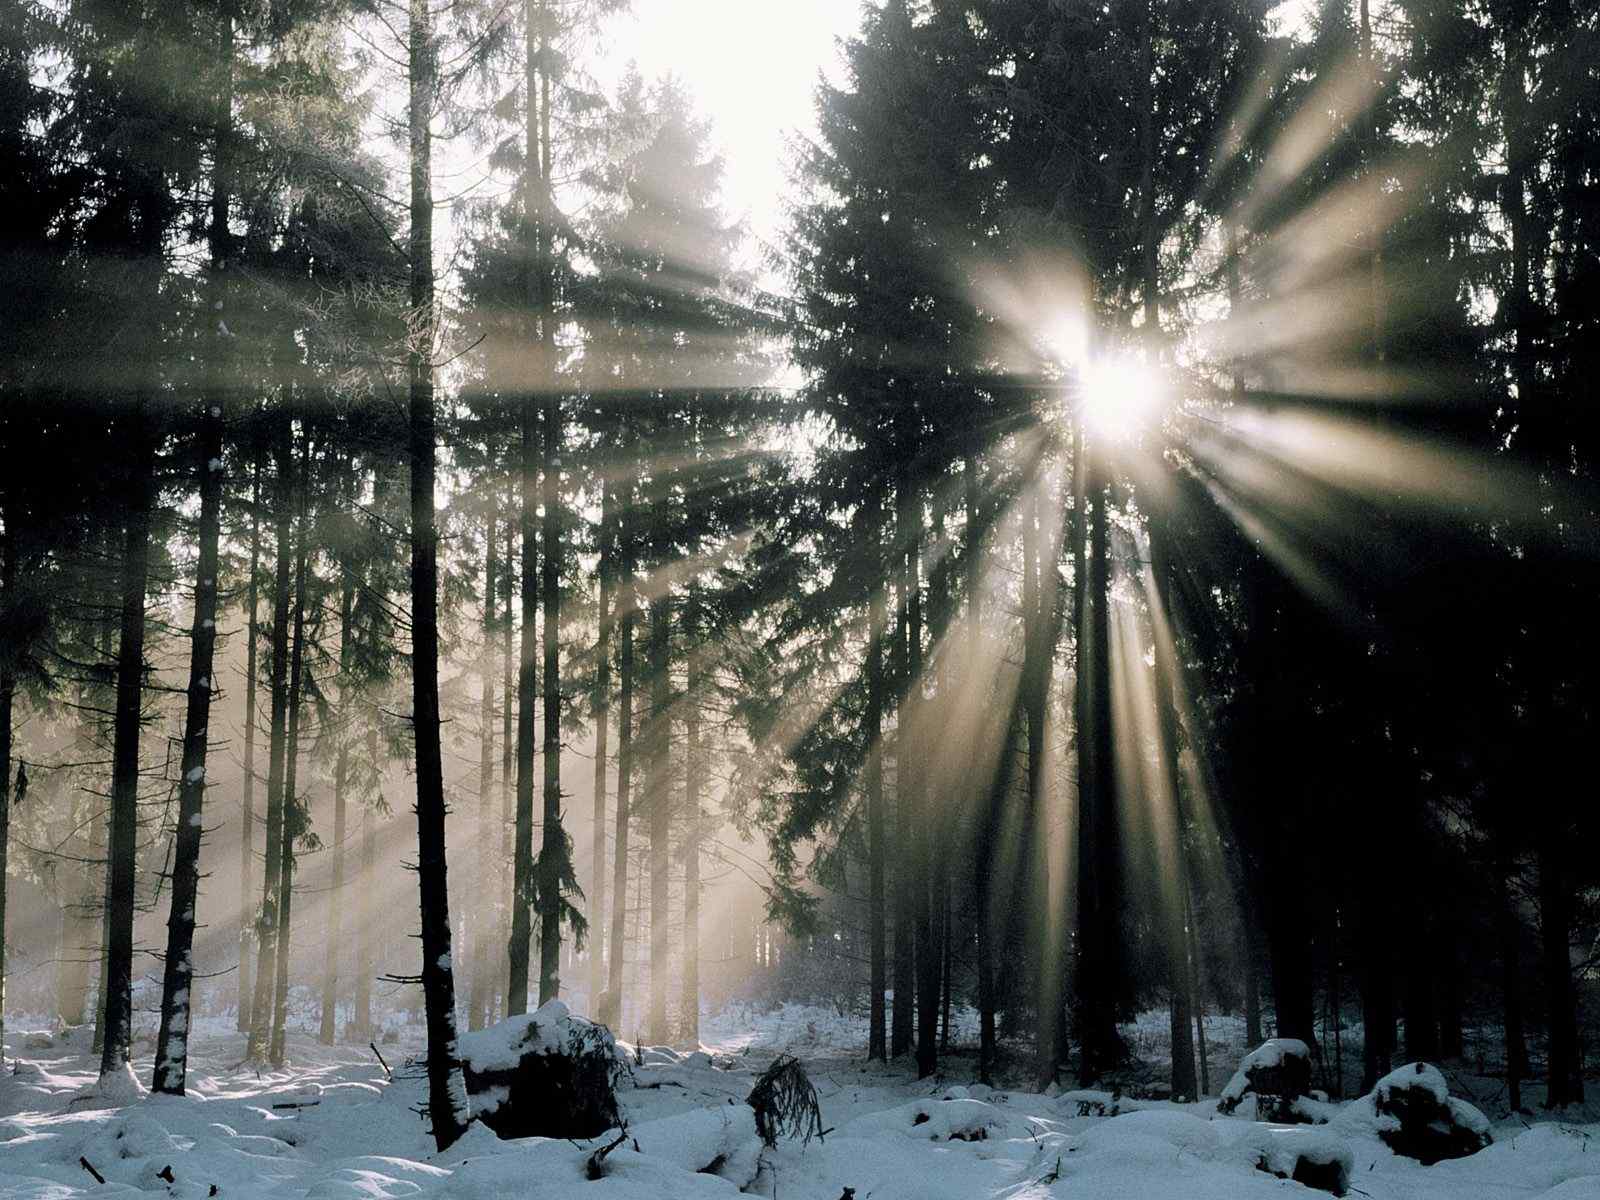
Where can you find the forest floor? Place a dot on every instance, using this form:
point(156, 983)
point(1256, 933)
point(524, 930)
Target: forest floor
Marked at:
point(334, 1126)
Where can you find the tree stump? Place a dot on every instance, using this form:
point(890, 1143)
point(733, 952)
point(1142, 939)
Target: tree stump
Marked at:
point(1277, 1073)
point(1424, 1121)
point(543, 1074)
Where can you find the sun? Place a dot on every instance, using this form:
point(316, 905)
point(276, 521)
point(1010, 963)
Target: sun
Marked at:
point(1120, 395)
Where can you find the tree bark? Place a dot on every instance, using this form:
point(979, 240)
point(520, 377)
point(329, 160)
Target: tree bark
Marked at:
point(118, 978)
point(366, 912)
point(1564, 1073)
point(1170, 841)
point(447, 1092)
point(877, 850)
point(248, 802)
point(694, 787)
point(278, 671)
point(1100, 970)
point(627, 599)
point(294, 821)
point(659, 805)
point(602, 753)
point(329, 1031)
point(8, 690)
point(482, 956)
point(172, 1040)
point(1509, 932)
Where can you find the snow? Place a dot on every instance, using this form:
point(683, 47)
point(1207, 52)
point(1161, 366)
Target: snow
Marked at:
point(500, 1047)
point(1270, 1053)
point(333, 1127)
point(1425, 1076)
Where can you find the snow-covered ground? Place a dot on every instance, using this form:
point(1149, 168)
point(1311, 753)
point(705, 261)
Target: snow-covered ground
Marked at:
point(333, 1125)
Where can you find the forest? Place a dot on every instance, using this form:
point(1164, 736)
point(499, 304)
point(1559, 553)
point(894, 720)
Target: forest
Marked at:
point(1093, 588)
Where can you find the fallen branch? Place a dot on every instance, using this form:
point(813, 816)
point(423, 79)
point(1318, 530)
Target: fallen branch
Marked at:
point(595, 1168)
point(381, 1061)
point(89, 1167)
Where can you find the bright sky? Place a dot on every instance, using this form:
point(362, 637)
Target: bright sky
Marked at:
point(751, 66)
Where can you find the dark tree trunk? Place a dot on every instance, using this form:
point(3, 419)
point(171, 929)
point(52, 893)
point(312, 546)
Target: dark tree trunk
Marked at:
point(510, 669)
point(1564, 1073)
point(8, 691)
point(1033, 694)
point(483, 957)
point(447, 1091)
point(267, 933)
point(694, 788)
point(247, 815)
point(1173, 873)
point(366, 912)
point(1099, 839)
point(294, 821)
point(172, 1041)
point(627, 600)
point(523, 883)
point(877, 851)
point(1509, 931)
point(920, 848)
point(118, 977)
point(1373, 917)
point(602, 755)
point(329, 1031)
point(659, 806)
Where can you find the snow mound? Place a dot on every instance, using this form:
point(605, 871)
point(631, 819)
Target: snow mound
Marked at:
point(959, 1120)
point(1317, 1158)
point(116, 1088)
point(1087, 1102)
point(1412, 1111)
point(702, 1139)
point(1279, 1069)
point(548, 1029)
point(543, 1074)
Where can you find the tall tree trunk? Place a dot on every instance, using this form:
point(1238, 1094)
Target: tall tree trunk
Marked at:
point(627, 600)
point(117, 1044)
point(919, 850)
point(1034, 685)
point(1373, 917)
point(602, 753)
point(278, 671)
point(1564, 1073)
point(329, 1031)
point(294, 819)
point(8, 691)
point(877, 850)
point(447, 1091)
point(982, 780)
point(482, 957)
point(509, 747)
point(1170, 841)
point(694, 787)
point(903, 1017)
point(247, 813)
point(523, 883)
point(659, 805)
point(1509, 933)
point(172, 1041)
point(1100, 970)
point(366, 911)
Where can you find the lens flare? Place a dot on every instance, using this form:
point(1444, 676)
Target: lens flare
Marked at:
point(1121, 396)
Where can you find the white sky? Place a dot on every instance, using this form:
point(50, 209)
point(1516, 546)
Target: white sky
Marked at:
point(751, 66)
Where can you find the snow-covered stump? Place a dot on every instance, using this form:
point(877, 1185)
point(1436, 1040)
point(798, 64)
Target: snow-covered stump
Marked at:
point(1419, 1118)
point(544, 1074)
point(1277, 1073)
point(1315, 1158)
